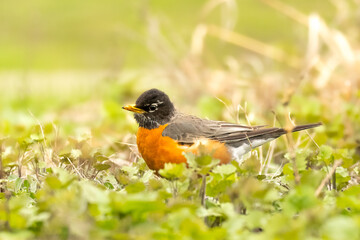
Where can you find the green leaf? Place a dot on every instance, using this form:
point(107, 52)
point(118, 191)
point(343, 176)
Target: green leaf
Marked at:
point(109, 185)
point(349, 198)
point(17, 221)
point(342, 177)
point(224, 169)
point(346, 155)
point(93, 194)
point(19, 235)
point(53, 182)
point(261, 177)
point(300, 158)
point(299, 199)
point(311, 178)
point(172, 170)
point(341, 227)
point(18, 184)
point(101, 166)
point(287, 170)
point(100, 157)
point(130, 170)
point(25, 143)
point(135, 187)
point(36, 137)
point(326, 154)
point(203, 163)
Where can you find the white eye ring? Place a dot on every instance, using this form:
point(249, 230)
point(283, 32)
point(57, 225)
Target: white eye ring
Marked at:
point(153, 107)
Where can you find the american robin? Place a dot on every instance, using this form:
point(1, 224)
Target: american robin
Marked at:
point(164, 133)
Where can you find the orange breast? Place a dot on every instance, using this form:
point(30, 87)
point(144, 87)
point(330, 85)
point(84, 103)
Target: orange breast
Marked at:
point(158, 150)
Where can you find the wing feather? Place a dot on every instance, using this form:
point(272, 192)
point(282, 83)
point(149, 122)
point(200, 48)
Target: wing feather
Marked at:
point(186, 129)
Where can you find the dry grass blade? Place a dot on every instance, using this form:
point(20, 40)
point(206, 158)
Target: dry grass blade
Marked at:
point(75, 168)
point(287, 10)
point(253, 45)
point(328, 177)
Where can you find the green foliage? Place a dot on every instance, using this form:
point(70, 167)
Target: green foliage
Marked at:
point(69, 167)
point(139, 204)
point(78, 191)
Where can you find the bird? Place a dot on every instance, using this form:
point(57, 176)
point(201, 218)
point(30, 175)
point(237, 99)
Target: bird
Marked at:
point(165, 134)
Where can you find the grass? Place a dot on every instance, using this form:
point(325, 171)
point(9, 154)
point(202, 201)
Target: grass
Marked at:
point(69, 164)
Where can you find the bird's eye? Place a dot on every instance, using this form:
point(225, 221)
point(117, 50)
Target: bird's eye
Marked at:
point(152, 108)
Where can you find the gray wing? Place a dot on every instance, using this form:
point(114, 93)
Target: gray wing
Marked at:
point(186, 129)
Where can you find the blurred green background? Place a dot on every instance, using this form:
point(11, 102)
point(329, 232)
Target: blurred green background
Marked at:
point(69, 166)
point(115, 35)
point(74, 63)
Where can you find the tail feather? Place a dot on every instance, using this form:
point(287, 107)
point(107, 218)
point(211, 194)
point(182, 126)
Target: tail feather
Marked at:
point(261, 135)
point(305, 126)
point(241, 144)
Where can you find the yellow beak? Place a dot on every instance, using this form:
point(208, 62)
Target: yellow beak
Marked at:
point(134, 109)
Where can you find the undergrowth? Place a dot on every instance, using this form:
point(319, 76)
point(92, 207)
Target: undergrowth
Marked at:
point(69, 166)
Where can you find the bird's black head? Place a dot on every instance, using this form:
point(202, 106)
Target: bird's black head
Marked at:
point(152, 109)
